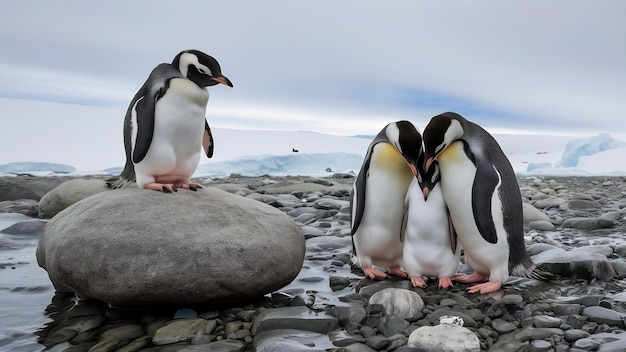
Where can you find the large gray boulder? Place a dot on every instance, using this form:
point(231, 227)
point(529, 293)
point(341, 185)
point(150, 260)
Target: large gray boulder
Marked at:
point(132, 247)
point(69, 193)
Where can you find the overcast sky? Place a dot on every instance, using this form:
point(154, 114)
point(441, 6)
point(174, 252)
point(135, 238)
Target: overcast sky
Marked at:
point(342, 67)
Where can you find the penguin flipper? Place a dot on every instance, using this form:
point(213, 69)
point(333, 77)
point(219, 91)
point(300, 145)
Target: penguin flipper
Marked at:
point(207, 140)
point(144, 117)
point(454, 240)
point(485, 183)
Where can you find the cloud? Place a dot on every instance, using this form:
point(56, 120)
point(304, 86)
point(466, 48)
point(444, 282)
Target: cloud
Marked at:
point(346, 66)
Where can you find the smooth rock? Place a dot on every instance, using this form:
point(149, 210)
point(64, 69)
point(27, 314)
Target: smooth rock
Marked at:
point(28, 227)
point(188, 247)
point(28, 207)
point(27, 187)
point(575, 264)
point(67, 194)
point(586, 223)
point(546, 321)
point(444, 338)
point(292, 340)
point(179, 330)
point(603, 315)
point(532, 214)
point(542, 225)
point(299, 318)
point(401, 302)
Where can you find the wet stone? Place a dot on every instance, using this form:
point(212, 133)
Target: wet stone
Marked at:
point(546, 321)
point(603, 315)
point(574, 335)
point(502, 326)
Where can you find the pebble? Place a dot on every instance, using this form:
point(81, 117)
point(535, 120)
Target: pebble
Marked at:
point(331, 307)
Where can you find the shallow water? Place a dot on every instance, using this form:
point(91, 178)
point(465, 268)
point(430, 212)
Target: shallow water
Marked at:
point(25, 288)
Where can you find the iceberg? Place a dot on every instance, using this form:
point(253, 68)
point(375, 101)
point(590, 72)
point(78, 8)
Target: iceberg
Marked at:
point(34, 167)
point(313, 164)
point(587, 146)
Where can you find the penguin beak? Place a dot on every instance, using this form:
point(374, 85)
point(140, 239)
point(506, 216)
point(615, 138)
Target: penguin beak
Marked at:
point(429, 161)
point(222, 80)
point(426, 191)
point(413, 169)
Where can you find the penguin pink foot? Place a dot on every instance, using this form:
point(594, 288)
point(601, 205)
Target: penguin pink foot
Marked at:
point(374, 274)
point(397, 271)
point(418, 281)
point(191, 185)
point(487, 287)
point(470, 279)
point(162, 187)
point(445, 282)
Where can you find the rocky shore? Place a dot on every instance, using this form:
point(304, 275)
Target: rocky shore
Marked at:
point(575, 229)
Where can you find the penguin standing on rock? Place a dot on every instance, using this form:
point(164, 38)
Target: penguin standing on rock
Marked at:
point(377, 204)
point(165, 126)
point(482, 194)
point(431, 247)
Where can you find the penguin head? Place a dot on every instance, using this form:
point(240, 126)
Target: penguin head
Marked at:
point(427, 179)
point(200, 68)
point(407, 140)
point(440, 132)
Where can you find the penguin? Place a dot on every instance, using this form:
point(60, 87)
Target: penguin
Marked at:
point(165, 126)
point(377, 202)
point(431, 247)
point(481, 191)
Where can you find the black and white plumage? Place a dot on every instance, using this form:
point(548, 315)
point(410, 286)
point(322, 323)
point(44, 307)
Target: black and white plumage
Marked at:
point(377, 203)
point(431, 246)
point(481, 191)
point(165, 126)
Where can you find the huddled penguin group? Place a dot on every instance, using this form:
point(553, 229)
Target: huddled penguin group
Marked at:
point(165, 126)
point(463, 194)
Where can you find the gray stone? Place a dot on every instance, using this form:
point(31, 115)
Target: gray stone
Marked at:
point(28, 207)
point(537, 334)
point(356, 347)
point(444, 338)
point(575, 264)
point(581, 204)
point(217, 346)
point(340, 338)
point(502, 326)
point(613, 216)
point(574, 335)
point(67, 194)
point(299, 318)
point(329, 203)
point(349, 312)
point(541, 346)
point(401, 302)
point(233, 188)
point(619, 265)
point(391, 325)
point(550, 202)
point(179, 330)
point(603, 315)
point(149, 247)
point(536, 248)
point(546, 321)
point(292, 340)
point(532, 214)
point(599, 249)
point(28, 227)
point(586, 223)
point(542, 225)
point(27, 187)
point(566, 309)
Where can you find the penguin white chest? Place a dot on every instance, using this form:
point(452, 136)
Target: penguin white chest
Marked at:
point(428, 235)
point(379, 234)
point(178, 129)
